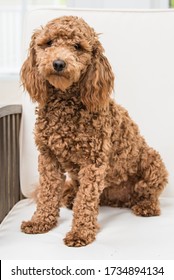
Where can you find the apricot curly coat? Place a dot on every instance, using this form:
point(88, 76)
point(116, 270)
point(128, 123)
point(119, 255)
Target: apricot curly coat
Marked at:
point(82, 132)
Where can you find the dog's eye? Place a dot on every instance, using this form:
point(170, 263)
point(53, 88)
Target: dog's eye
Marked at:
point(78, 47)
point(49, 43)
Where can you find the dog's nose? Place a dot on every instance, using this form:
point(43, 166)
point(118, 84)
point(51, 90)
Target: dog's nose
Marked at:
point(59, 65)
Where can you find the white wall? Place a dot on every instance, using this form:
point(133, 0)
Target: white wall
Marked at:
point(10, 90)
point(120, 4)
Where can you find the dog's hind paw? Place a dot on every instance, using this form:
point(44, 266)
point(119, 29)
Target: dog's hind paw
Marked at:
point(146, 208)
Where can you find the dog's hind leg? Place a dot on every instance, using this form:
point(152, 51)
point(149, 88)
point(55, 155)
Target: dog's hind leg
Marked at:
point(153, 178)
point(116, 195)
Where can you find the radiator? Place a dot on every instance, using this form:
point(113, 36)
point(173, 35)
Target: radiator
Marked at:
point(10, 117)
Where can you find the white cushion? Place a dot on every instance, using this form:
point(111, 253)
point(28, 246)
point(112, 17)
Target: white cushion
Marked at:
point(139, 45)
point(122, 235)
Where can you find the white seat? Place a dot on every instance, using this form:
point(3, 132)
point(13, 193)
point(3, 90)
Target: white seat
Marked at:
point(139, 45)
point(122, 236)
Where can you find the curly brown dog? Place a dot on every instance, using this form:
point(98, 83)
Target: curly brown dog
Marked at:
point(82, 132)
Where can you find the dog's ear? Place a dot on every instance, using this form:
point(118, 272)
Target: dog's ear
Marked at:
point(98, 82)
point(31, 80)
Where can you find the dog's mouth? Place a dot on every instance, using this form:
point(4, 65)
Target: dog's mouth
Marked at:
point(60, 80)
point(62, 74)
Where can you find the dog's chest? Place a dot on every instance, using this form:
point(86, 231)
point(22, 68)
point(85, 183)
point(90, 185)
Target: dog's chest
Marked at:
point(69, 131)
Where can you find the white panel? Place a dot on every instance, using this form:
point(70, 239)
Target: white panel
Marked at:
point(140, 48)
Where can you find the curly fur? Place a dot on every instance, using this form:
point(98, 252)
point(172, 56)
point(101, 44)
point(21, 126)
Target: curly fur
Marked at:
point(81, 131)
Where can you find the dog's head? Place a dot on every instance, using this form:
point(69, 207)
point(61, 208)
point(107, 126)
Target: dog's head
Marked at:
point(64, 53)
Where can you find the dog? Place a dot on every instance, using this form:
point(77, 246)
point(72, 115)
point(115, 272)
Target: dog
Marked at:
point(82, 132)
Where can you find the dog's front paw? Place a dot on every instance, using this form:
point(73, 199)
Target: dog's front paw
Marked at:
point(77, 239)
point(33, 227)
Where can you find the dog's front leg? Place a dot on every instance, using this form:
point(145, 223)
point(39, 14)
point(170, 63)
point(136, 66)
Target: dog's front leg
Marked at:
point(85, 227)
point(48, 196)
